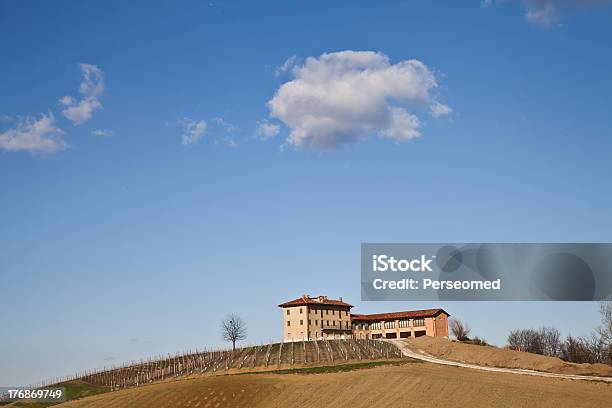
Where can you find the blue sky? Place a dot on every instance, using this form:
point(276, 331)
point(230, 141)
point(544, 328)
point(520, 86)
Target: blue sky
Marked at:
point(166, 191)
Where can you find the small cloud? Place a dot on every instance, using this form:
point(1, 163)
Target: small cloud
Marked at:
point(91, 88)
point(228, 127)
point(6, 118)
point(548, 13)
point(34, 135)
point(436, 109)
point(193, 131)
point(102, 132)
point(231, 142)
point(266, 130)
point(287, 65)
point(541, 12)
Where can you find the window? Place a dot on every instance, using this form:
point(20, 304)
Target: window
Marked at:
point(404, 323)
point(316, 322)
point(333, 312)
point(418, 322)
point(328, 323)
point(288, 311)
point(389, 325)
point(309, 322)
point(301, 322)
point(300, 310)
point(288, 323)
point(375, 326)
point(327, 312)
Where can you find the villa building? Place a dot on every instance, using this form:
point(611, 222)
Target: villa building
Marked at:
point(315, 318)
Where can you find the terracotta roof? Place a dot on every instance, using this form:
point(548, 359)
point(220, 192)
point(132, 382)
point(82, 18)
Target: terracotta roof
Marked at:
point(305, 300)
point(399, 315)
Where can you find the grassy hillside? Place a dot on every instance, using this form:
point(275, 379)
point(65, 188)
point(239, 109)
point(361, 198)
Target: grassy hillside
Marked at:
point(414, 385)
point(497, 357)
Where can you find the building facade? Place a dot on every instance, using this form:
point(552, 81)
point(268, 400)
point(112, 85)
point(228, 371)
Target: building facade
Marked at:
point(315, 318)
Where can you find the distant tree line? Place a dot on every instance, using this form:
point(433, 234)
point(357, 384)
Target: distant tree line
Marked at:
point(547, 341)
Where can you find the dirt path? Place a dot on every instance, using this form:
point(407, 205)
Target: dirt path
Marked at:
point(408, 352)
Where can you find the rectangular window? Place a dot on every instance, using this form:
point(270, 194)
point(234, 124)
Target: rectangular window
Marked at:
point(328, 323)
point(327, 312)
point(300, 310)
point(309, 322)
point(418, 322)
point(288, 323)
point(333, 312)
point(316, 322)
point(404, 324)
point(389, 325)
point(288, 311)
point(301, 322)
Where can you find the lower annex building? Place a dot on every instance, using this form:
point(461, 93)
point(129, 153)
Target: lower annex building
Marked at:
point(316, 318)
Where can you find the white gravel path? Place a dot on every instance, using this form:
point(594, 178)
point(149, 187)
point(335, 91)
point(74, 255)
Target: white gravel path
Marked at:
point(420, 355)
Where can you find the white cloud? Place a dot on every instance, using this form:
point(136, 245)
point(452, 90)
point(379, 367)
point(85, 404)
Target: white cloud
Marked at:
point(193, 131)
point(34, 135)
point(102, 132)
point(266, 130)
point(91, 88)
point(287, 65)
point(343, 97)
point(228, 127)
point(437, 109)
point(541, 12)
point(547, 13)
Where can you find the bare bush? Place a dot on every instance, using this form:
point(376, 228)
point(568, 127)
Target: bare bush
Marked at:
point(545, 341)
point(525, 340)
point(460, 330)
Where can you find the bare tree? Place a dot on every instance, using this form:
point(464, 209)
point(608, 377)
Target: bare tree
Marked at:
point(605, 330)
point(550, 341)
point(460, 330)
point(234, 329)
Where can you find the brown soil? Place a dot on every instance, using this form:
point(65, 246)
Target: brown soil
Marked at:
point(497, 357)
point(415, 385)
